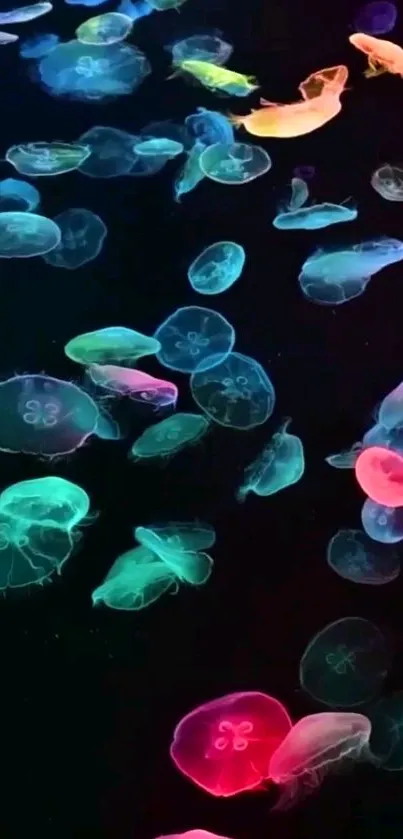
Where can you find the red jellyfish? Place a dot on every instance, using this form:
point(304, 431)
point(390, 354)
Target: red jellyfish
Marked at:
point(225, 746)
point(379, 472)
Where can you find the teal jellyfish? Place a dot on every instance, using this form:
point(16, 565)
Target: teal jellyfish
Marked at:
point(18, 195)
point(299, 195)
point(279, 465)
point(49, 502)
point(109, 345)
point(166, 438)
point(23, 235)
point(189, 566)
point(111, 152)
point(109, 28)
point(183, 535)
point(315, 216)
point(390, 414)
point(190, 175)
point(234, 164)
point(158, 147)
point(194, 337)
point(345, 459)
point(136, 580)
point(217, 268)
point(355, 557)
point(47, 159)
point(236, 392)
point(82, 237)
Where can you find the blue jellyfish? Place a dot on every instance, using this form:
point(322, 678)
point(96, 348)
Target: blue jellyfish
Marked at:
point(190, 175)
point(210, 127)
point(82, 237)
point(234, 164)
point(109, 28)
point(236, 392)
point(217, 268)
point(18, 195)
point(386, 743)
point(90, 3)
point(111, 152)
point(279, 465)
point(376, 18)
point(299, 195)
point(25, 13)
point(387, 438)
point(39, 45)
point(315, 216)
point(204, 47)
point(383, 524)
point(355, 557)
point(158, 147)
point(194, 337)
point(390, 413)
point(135, 11)
point(40, 159)
point(27, 234)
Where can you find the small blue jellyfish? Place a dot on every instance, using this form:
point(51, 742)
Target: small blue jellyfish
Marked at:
point(315, 217)
point(279, 465)
point(234, 164)
point(105, 29)
point(194, 337)
point(18, 195)
point(190, 175)
point(383, 524)
point(135, 11)
point(158, 147)
point(355, 557)
point(27, 234)
point(210, 127)
point(82, 237)
point(111, 152)
point(39, 45)
point(210, 48)
point(217, 268)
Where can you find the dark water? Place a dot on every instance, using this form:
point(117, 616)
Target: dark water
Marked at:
point(89, 698)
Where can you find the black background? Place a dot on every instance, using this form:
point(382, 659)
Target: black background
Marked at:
point(89, 697)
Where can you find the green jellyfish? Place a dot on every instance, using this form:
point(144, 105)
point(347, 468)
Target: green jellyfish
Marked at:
point(50, 502)
point(279, 465)
point(111, 345)
point(137, 579)
point(167, 437)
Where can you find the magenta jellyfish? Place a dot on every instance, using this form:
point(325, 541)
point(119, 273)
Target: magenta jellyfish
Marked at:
point(314, 746)
point(139, 386)
point(225, 745)
point(379, 472)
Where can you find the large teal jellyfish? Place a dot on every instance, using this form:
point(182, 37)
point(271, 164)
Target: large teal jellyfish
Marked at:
point(40, 159)
point(382, 524)
point(234, 164)
point(111, 152)
point(217, 267)
point(110, 345)
point(23, 235)
point(279, 465)
point(50, 502)
point(19, 195)
point(169, 436)
point(194, 337)
point(102, 30)
point(355, 557)
point(236, 392)
point(137, 579)
point(82, 238)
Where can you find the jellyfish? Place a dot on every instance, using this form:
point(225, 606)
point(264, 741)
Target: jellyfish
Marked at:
point(166, 129)
point(225, 745)
point(82, 238)
point(17, 195)
point(282, 120)
point(26, 234)
point(210, 127)
point(217, 78)
point(390, 413)
point(328, 80)
point(25, 13)
point(345, 459)
point(279, 465)
point(164, 5)
point(40, 159)
point(197, 833)
point(234, 164)
point(193, 567)
point(30, 555)
point(50, 502)
point(169, 436)
point(386, 741)
point(376, 18)
point(136, 579)
point(206, 48)
point(379, 472)
point(7, 38)
point(109, 28)
point(183, 535)
point(85, 2)
point(39, 45)
point(345, 664)
point(139, 386)
point(111, 152)
point(315, 217)
point(194, 337)
point(299, 195)
point(45, 416)
point(355, 557)
point(387, 181)
point(217, 268)
point(315, 745)
point(382, 524)
point(91, 73)
point(190, 175)
point(135, 11)
point(158, 147)
point(112, 344)
point(383, 56)
point(387, 438)
point(236, 392)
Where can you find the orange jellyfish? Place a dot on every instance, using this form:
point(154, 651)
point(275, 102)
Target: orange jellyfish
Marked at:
point(328, 80)
point(280, 120)
point(379, 472)
point(383, 56)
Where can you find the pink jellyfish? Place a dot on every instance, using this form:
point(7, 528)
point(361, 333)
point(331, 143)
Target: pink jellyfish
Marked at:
point(379, 472)
point(139, 386)
point(197, 833)
point(225, 746)
point(314, 746)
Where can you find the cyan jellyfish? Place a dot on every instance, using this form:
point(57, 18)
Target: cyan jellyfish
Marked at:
point(50, 502)
point(189, 566)
point(217, 268)
point(387, 181)
point(89, 3)
point(18, 195)
point(194, 337)
point(185, 535)
point(386, 740)
point(355, 557)
point(166, 129)
point(315, 216)
point(92, 73)
point(190, 175)
point(82, 238)
point(31, 555)
point(25, 13)
point(345, 664)
point(390, 413)
point(209, 48)
point(299, 196)
point(39, 45)
point(234, 164)
point(138, 386)
point(279, 465)
point(316, 745)
point(136, 579)
point(382, 524)
point(224, 746)
point(27, 234)
point(210, 127)
point(376, 18)
point(110, 345)
point(111, 152)
point(169, 436)
point(158, 147)
point(146, 165)
point(44, 416)
point(236, 392)
point(109, 28)
point(39, 159)
point(345, 459)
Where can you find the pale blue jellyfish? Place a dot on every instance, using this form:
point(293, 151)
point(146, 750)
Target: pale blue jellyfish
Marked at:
point(299, 193)
point(236, 392)
point(345, 459)
point(210, 127)
point(27, 234)
point(40, 159)
point(194, 337)
point(93, 73)
point(388, 438)
point(383, 524)
point(158, 147)
point(345, 664)
point(146, 165)
point(234, 164)
point(315, 216)
point(386, 742)
point(387, 181)
point(164, 5)
point(7, 38)
point(109, 28)
point(390, 413)
point(167, 437)
point(111, 152)
point(82, 238)
point(217, 268)
point(279, 465)
point(190, 175)
point(18, 195)
point(25, 13)
point(90, 3)
point(39, 45)
point(205, 47)
point(166, 129)
point(355, 557)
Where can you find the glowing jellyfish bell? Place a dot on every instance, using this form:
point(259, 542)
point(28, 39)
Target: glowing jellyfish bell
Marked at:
point(355, 557)
point(189, 566)
point(217, 268)
point(225, 745)
point(234, 164)
point(23, 235)
point(82, 237)
point(376, 18)
point(109, 28)
point(387, 181)
point(315, 745)
point(202, 47)
point(281, 464)
point(194, 337)
point(136, 579)
point(109, 345)
point(379, 472)
point(42, 159)
point(16, 194)
point(382, 524)
point(169, 436)
point(50, 502)
point(139, 386)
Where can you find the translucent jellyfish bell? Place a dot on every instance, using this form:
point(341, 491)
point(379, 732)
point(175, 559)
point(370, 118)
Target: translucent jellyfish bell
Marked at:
point(379, 472)
point(355, 557)
point(234, 164)
point(39, 45)
point(111, 152)
point(31, 555)
point(387, 181)
point(209, 48)
point(217, 268)
point(382, 524)
point(315, 217)
point(194, 337)
point(192, 567)
point(345, 664)
point(159, 147)
point(19, 195)
point(376, 18)
point(23, 235)
point(109, 345)
point(236, 393)
point(47, 159)
point(136, 579)
point(139, 386)
point(166, 438)
point(279, 465)
point(25, 13)
point(82, 237)
point(184, 535)
point(345, 459)
point(315, 745)
point(386, 740)
point(210, 127)
point(109, 28)
point(50, 502)
point(225, 745)
point(190, 175)
point(390, 412)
